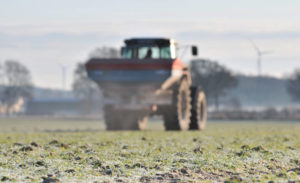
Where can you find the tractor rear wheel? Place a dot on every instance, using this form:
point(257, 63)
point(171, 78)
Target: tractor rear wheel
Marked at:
point(199, 113)
point(131, 120)
point(111, 120)
point(124, 120)
point(177, 116)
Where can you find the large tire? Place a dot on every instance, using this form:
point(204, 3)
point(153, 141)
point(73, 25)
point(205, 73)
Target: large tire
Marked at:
point(199, 113)
point(111, 119)
point(131, 120)
point(177, 116)
point(124, 120)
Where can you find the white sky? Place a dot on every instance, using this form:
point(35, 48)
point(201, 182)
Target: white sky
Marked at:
point(44, 34)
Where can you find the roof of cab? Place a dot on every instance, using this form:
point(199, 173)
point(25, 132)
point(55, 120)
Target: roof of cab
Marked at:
point(150, 41)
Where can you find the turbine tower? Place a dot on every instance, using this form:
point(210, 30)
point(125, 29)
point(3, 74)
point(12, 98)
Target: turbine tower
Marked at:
point(259, 57)
point(64, 70)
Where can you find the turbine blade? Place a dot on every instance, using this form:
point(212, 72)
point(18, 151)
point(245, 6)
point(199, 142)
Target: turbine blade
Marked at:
point(255, 47)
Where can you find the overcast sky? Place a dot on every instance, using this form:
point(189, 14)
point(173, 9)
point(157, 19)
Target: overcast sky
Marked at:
point(44, 34)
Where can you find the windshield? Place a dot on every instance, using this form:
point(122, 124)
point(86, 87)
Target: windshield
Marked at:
point(153, 52)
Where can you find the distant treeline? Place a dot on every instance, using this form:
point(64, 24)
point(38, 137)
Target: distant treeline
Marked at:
point(265, 114)
point(224, 89)
point(253, 91)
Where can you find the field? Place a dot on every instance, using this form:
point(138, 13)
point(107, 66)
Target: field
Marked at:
point(47, 150)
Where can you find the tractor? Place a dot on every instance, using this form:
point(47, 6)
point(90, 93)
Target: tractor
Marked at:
point(149, 79)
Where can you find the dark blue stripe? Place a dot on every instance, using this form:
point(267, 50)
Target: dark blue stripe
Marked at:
point(129, 75)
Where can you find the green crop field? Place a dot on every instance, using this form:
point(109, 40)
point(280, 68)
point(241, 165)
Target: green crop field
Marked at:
point(47, 150)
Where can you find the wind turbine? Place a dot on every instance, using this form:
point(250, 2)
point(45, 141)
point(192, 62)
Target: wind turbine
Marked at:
point(259, 53)
point(259, 57)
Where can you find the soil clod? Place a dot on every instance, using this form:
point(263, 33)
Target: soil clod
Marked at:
point(70, 171)
point(26, 149)
point(198, 150)
point(34, 144)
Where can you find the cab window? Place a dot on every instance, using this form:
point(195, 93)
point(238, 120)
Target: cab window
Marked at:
point(165, 52)
point(153, 52)
point(148, 52)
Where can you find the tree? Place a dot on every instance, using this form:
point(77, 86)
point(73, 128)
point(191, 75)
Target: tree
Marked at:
point(293, 85)
point(215, 79)
point(233, 104)
point(86, 89)
point(16, 80)
point(83, 87)
point(105, 52)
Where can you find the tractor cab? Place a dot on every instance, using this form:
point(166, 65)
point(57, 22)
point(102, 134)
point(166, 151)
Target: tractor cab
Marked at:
point(149, 48)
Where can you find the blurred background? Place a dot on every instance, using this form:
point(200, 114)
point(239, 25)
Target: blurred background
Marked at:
point(248, 63)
